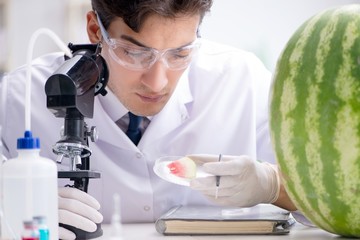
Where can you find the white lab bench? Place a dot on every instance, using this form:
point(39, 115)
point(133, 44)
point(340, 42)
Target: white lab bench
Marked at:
point(147, 231)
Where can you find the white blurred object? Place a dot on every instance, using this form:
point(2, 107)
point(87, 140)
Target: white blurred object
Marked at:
point(2, 158)
point(4, 226)
point(116, 227)
point(35, 180)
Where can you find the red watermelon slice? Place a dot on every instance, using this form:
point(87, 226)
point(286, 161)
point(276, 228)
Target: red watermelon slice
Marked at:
point(183, 167)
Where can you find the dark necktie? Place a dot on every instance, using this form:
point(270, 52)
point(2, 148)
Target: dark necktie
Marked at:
point(133, 131)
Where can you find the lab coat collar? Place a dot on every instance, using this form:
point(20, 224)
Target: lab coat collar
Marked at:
point(171, 116)
point(174, 113)
point(112, 106)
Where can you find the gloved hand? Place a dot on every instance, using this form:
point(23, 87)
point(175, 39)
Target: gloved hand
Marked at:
point(78, 209)
point(244, 182)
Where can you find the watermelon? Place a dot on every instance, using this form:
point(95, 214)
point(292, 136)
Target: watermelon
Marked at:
point(315, 119)
point(183, 167)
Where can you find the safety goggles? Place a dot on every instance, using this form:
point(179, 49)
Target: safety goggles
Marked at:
point(141, 58)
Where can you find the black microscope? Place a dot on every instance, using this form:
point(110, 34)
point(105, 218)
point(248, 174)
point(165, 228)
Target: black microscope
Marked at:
point(70, 93)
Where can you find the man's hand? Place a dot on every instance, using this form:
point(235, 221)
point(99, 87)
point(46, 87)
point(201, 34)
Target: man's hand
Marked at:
point(244, 182)
point(78, 209)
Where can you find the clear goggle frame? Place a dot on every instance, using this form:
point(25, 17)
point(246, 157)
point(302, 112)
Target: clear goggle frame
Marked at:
point(142, 58)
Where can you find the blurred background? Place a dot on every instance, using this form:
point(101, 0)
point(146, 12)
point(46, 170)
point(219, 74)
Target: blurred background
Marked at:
point(260, 26)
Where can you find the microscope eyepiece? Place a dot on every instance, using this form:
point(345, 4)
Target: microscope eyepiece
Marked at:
point(77, 81)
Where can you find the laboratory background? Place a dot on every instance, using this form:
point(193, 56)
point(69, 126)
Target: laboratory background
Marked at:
point(260, 26)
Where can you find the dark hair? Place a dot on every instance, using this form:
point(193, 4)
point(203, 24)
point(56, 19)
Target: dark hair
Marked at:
point(135, 12)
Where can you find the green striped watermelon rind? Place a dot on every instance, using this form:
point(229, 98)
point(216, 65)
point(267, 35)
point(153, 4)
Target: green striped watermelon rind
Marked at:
point(315, 119)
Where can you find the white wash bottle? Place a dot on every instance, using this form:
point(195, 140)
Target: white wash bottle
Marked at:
point(29, 184)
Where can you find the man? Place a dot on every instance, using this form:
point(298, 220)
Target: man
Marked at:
point(195, 97)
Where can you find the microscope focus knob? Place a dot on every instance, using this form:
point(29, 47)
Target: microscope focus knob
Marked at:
point(93, 134)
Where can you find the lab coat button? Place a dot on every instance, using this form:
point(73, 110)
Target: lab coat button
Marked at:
point(139, 155)
point(146, 208)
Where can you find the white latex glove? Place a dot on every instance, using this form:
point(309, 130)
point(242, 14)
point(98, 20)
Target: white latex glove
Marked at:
point(244, 182)
point(78, 209)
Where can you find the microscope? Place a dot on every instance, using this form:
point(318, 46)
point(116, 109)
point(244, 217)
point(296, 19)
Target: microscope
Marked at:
point(70, 93)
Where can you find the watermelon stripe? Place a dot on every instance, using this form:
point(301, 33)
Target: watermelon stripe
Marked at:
point(280, 107)
point(308, 147)
point(317, 172)
point(329, 108)
point(288, 104)
point(347, 86)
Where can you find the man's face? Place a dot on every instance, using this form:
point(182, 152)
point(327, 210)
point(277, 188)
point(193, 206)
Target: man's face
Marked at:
point(145, 92)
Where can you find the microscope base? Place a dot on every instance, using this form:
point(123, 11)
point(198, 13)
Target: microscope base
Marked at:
point(81, 180)
point(81, 234)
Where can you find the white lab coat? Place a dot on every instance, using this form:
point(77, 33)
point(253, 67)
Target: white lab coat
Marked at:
point(219, 106)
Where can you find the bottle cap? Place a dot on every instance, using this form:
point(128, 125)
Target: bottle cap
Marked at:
point(39, 219)
point(28, 142)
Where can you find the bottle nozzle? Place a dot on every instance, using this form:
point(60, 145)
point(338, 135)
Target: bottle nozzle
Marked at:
point(28, 141)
